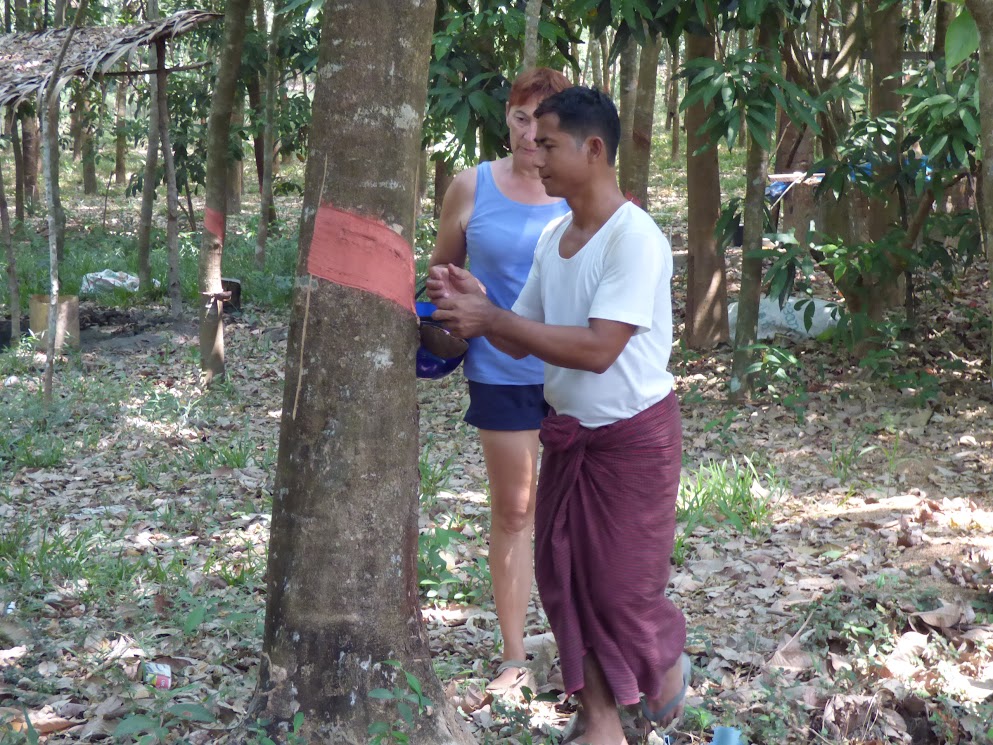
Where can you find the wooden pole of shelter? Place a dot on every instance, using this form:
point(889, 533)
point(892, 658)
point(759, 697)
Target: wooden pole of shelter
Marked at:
point(151, 166)
point(172, 220)
point(48, 100)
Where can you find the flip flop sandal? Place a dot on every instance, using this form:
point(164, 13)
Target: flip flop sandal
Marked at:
point(657, 717)
point(524, 677)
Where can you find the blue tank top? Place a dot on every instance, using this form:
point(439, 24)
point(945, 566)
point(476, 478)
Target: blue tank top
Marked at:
point(500, 242)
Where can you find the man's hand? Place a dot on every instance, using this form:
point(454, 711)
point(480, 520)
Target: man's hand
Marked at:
point(466, 314)
point(449, 280)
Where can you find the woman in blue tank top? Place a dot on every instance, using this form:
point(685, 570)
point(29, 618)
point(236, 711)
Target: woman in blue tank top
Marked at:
point(492, 216)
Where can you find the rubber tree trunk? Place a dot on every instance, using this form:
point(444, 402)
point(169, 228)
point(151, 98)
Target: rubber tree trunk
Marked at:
point(885, 81)
point(13, 286)
point(218, 170)
point(53, 197)
point(236, 165)
point(31, 149)
point(267, 212)
point(342, 577)
point(120, 135)
point(672, 100)
point(442, 180)
point(596, 64)
point(172, 193)
point(12, 126)
point(706, 276)
point(944, 15)
point(532, 16)
point(628, 101)
point(644, 119)
point(151, 166)
point(982, 12)
point(756, 175)
point(88, 151)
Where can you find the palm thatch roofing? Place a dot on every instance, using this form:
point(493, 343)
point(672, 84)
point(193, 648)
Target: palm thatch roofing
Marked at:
point(27, 60)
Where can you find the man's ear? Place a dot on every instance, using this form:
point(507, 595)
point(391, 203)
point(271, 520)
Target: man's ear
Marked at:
point(595, 148)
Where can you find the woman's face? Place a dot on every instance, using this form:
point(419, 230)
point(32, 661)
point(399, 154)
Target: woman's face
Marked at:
point(522, 126)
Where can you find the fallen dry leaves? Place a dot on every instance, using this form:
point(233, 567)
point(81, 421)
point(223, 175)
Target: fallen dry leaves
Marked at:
point(860, 611)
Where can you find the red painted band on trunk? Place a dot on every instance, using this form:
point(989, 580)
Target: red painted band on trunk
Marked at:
point(363, 253)
point(214, 222)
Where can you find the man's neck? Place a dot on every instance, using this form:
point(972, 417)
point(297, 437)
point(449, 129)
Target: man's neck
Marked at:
point(596, 203)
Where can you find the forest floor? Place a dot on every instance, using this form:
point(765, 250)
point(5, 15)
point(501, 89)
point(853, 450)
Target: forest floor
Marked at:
point(833, 561)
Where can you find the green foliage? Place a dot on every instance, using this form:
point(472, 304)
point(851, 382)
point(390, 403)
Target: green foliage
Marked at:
point(410, 703)
point(748, 82)
point(723, 494)
point(961, 38)
point(475, 51)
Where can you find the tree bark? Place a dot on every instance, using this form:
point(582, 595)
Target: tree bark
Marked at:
point(628, 100)
point(885, 81)
point(342, 577)
point(13, 286)
point(605, 62)
point(236, 165)
point(120, 136)
point(596, 64)
point(222, 107)
point(442, 180)
point(267, 212)
point(31, 151)
point(88, 149)
point(532, 15)
point(644, 119)
point(982, 13)
point(151, 167)
point(944, 15)
point(672, 101)
point(706, 277)
point(756, 174)
point(172, 193)
point(13, 124)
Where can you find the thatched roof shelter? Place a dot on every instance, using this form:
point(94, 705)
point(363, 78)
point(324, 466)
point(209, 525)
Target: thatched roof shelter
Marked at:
point(26, 60)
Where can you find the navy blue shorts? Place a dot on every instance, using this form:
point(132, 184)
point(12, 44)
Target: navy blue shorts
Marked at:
point(506, 408)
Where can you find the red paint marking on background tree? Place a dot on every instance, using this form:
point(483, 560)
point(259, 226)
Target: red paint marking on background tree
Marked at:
point(214, 221)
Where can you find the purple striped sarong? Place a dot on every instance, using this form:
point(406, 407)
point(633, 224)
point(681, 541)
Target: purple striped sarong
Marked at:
point(604, 529)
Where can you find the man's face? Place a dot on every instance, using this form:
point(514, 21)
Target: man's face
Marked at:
point(561, 161)
point(522, 124)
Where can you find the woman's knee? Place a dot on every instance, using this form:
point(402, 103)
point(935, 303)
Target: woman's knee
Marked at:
point(512, 514)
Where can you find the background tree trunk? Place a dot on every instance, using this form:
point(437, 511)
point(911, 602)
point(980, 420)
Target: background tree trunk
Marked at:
point(267, 212)
point(532, 14)
point(443, 178)
point(172, 193)
point(706, 278)
point(88, 150)
point(151, 167)
point(236, 165)
point(886, 79)
point(628, 101)
point(944, 14)
point(13, 124)
point(13, 286)
point(342, 576)
point(222, 107)
point(672, 100)
point(644, 119)
point(596, 64)
point(31, 151)
point(982, 13)
point(756, 174)
point(120, 135)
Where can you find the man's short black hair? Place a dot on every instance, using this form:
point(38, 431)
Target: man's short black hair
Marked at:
point(584, 112)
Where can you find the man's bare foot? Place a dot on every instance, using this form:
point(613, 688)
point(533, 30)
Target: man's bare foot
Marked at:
point(673, 689)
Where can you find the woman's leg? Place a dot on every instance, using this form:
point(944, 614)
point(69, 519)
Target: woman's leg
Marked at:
point(511, 464)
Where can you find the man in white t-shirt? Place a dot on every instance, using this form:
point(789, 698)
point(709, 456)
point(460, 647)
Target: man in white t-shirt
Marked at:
point(597, 309)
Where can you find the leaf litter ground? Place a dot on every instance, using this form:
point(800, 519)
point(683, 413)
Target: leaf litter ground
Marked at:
point(854, 606)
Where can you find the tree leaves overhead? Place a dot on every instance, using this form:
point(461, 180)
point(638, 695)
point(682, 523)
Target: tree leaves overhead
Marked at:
point(962, 38)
